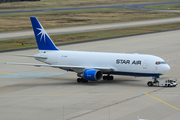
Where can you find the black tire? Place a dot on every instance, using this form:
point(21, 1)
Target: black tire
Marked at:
point(78, 80)
point(104, 77)
point(108, 77)
point(150, 83)
point(111, 78)
point(83, 80)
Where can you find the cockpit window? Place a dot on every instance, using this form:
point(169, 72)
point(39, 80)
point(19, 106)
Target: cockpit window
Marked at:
point(160, 62)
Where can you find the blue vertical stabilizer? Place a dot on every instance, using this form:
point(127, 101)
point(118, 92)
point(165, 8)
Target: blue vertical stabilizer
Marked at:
point(43, 40)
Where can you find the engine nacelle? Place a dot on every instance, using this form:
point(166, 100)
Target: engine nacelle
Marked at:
point(92, 74)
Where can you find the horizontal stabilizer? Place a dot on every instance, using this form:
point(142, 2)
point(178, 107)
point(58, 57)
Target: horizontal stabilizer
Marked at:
point(33, 56)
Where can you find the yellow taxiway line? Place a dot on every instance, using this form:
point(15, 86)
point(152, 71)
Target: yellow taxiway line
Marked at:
point(162, 101)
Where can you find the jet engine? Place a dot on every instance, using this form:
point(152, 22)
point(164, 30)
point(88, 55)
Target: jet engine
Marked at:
point(92, 74)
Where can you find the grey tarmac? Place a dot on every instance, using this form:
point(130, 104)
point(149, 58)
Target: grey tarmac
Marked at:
point(88, 28)
point(42, 93)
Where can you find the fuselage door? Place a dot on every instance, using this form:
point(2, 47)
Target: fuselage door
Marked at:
point(145, 64)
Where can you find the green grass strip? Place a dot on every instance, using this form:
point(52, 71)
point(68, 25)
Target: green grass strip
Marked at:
point(86, 36)
point(54, 19)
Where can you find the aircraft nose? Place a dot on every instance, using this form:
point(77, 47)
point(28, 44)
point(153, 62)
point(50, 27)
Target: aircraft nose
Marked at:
point(167, 68)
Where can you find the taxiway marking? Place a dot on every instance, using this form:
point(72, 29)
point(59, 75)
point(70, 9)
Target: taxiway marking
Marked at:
point(162, 101)
point(86, 94)
point(30, 74)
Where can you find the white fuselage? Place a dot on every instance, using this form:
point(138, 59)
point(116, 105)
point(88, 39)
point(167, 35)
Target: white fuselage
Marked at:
point(123, 64)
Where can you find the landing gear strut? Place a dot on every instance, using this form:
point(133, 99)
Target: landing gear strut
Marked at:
point(150, 83)
point(155, 80)
point(108, 77)
point(82, 80)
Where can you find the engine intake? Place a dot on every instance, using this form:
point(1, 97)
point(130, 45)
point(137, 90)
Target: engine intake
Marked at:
point(92, 74)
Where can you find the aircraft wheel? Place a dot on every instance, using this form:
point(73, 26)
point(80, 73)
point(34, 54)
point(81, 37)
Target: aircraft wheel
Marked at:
point(78, 80)
point(86, 81)
point(108, 77)
point(149, 83)
point(111, 78)
point(104, 77)
point(83, 80)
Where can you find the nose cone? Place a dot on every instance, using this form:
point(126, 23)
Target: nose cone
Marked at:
point(166, 68)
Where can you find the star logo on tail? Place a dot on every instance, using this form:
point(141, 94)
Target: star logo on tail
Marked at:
point(43, 34)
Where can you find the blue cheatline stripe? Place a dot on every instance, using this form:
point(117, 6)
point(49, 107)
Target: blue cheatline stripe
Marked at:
point(134, 74)
point(44, 42)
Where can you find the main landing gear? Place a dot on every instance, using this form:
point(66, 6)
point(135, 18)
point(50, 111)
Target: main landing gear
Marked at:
point(82, 80)
point(108, 77)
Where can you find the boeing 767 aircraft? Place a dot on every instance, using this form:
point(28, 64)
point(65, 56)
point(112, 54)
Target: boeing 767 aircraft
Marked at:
point(90, 66)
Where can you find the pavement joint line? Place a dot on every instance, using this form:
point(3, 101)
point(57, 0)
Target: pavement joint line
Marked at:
point(3, 96)
point(18, 74)
point(5, 73)
point(162, 101)
point(16, 58)
point(106, 106)
point(54, 95)
point(166, 92)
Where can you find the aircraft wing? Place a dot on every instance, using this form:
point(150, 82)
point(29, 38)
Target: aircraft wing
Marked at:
point(77, 69)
